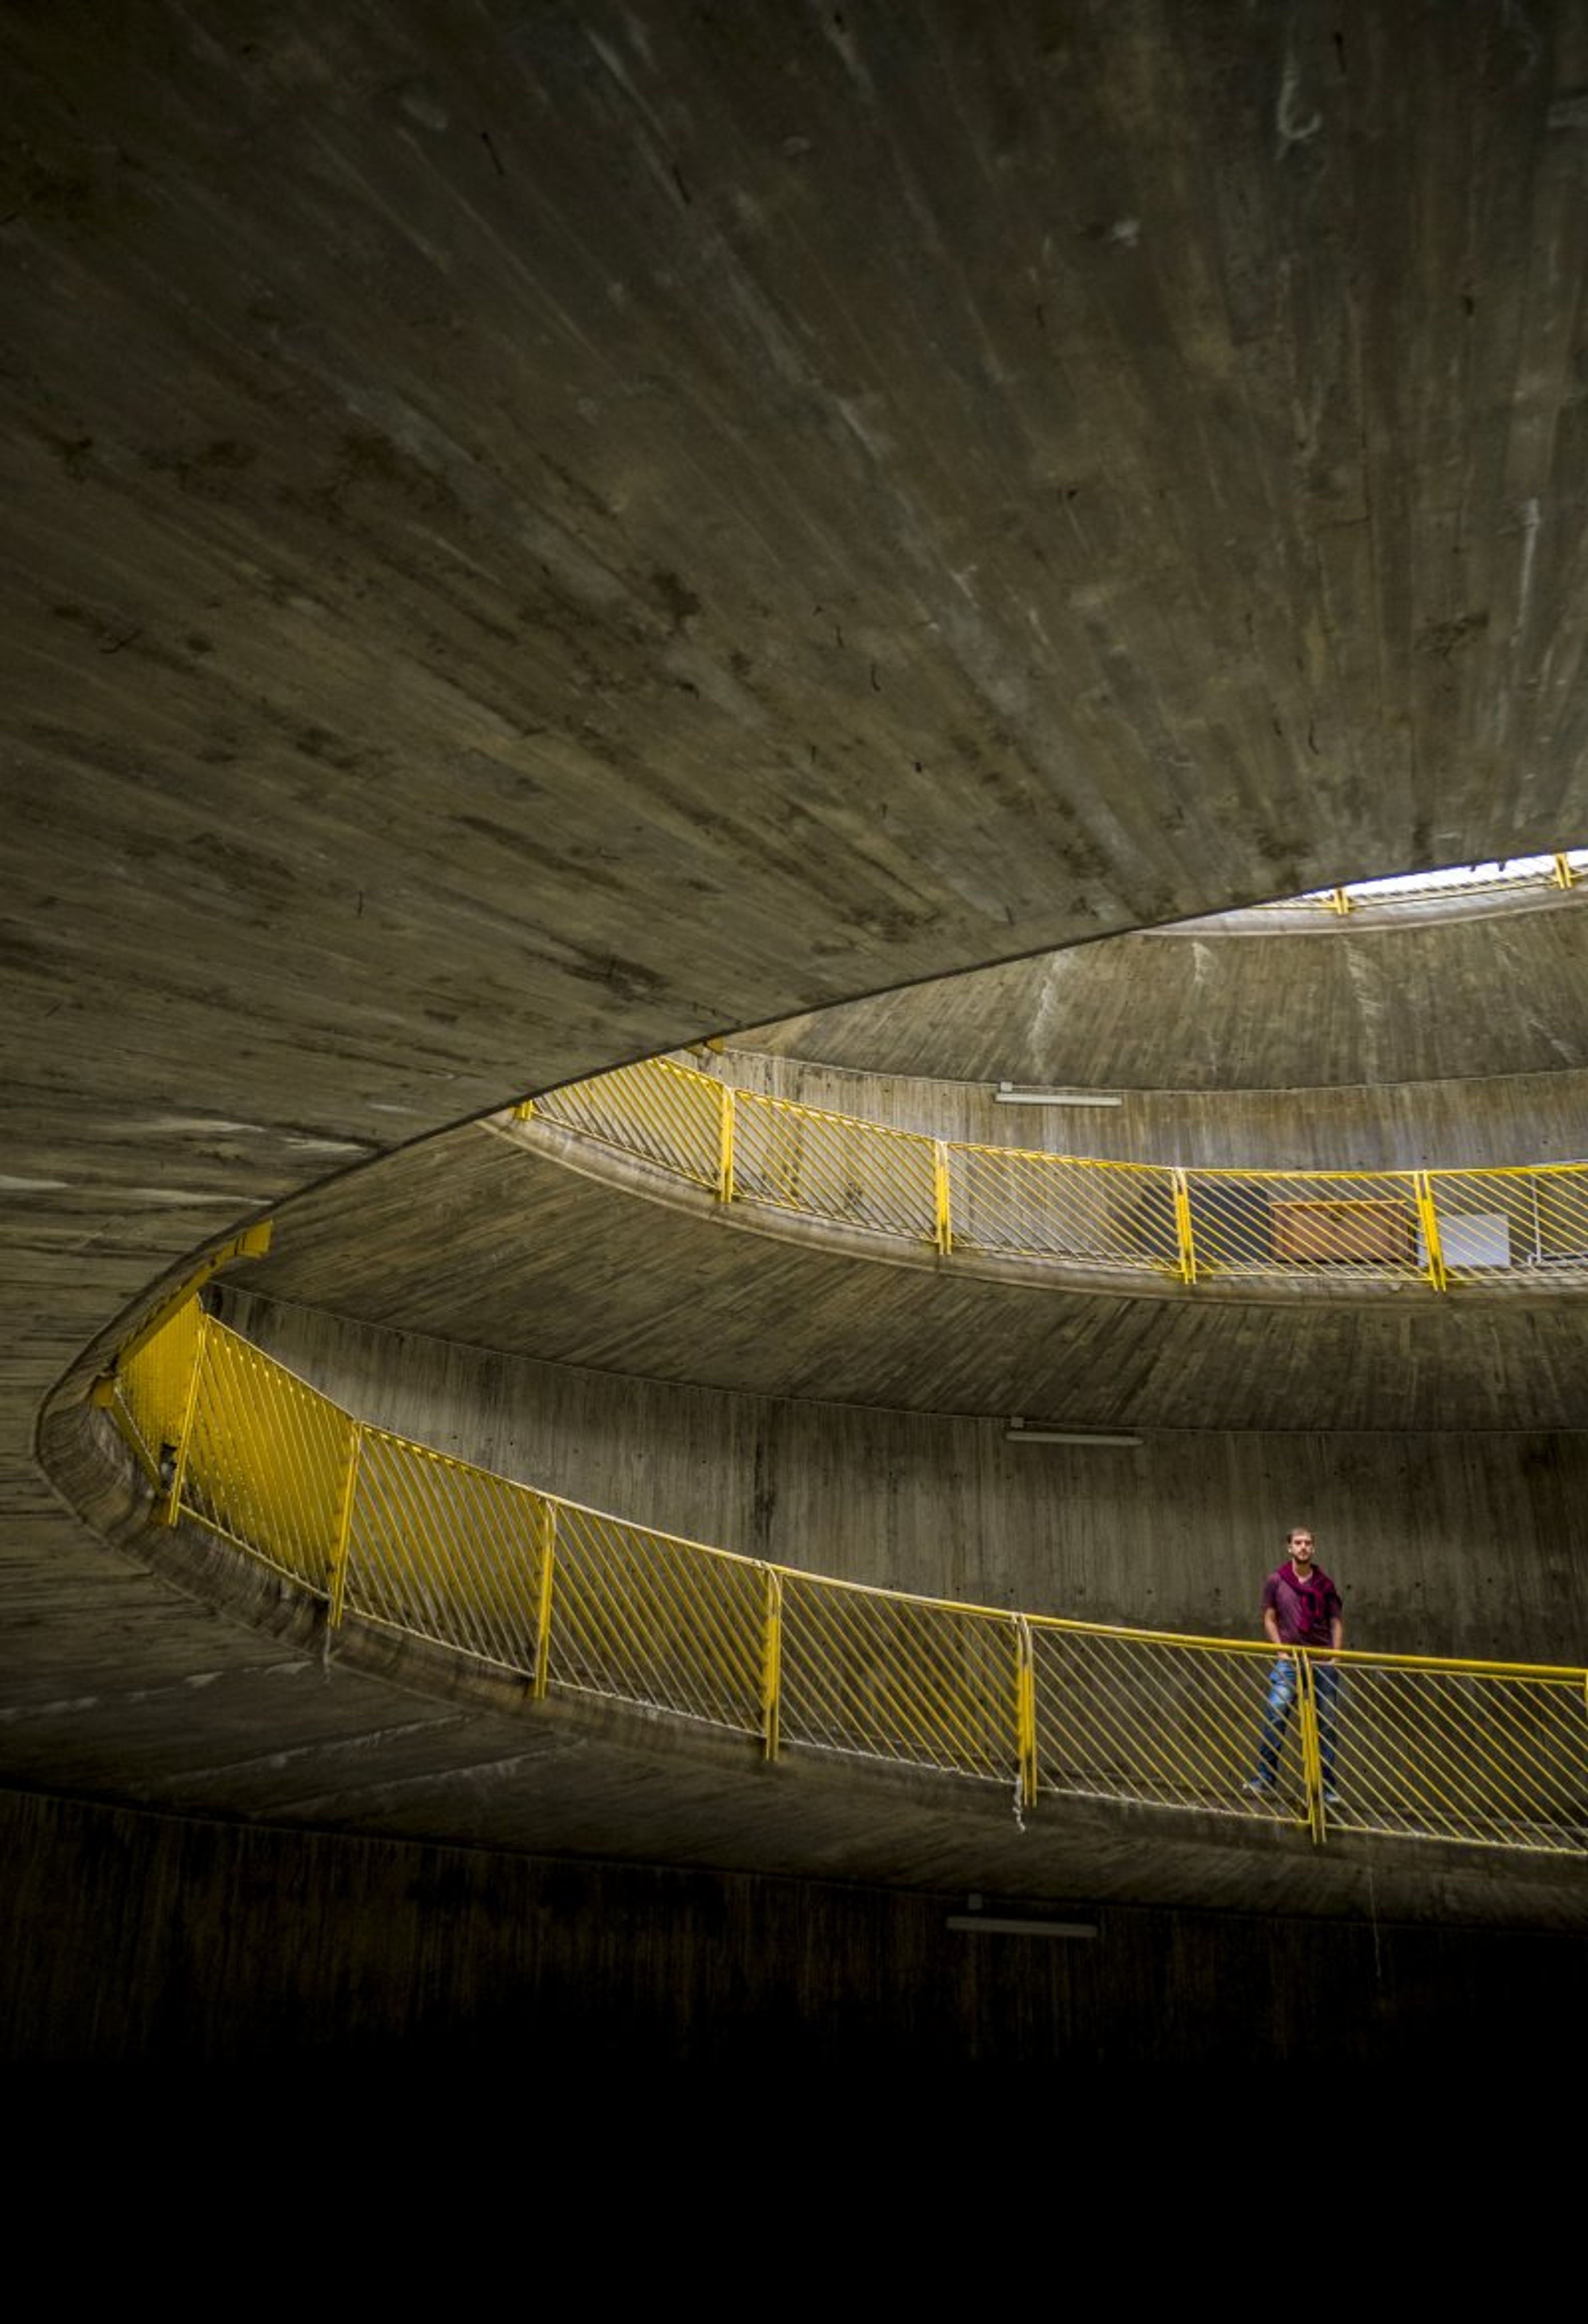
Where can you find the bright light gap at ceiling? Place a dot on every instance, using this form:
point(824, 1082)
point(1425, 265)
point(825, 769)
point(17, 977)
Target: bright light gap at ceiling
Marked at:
point(1456, 876)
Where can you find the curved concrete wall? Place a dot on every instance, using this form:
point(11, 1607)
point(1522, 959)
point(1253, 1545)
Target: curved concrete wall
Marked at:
point(436, 1972)
point(1444, 1543)
point(1450, 1124)
point(1504, 994)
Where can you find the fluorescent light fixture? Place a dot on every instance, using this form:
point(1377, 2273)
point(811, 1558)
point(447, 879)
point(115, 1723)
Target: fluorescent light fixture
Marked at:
point(1006, 1093)
point(1020, 1433)
point(989, 1925)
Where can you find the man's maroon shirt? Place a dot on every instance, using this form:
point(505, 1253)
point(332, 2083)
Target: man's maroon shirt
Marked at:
point(1305, 1610)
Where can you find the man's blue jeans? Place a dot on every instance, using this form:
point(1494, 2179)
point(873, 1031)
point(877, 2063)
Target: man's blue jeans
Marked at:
point(1282, 1702)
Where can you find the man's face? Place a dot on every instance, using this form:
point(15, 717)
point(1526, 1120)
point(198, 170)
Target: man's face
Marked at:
point(1301, 1552)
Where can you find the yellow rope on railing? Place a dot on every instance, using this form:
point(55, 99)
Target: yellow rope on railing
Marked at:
point(1522, 1222)
point(391, 1533)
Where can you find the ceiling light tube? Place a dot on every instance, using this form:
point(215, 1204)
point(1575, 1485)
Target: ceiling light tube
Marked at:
point(988, 1925)
point(1018, 1433)
point(1006, 1093)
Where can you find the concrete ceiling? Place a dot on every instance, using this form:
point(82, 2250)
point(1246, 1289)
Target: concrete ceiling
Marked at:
point(535, 536)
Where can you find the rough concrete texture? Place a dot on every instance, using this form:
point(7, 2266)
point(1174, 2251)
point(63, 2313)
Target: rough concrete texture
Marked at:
point(533, 536)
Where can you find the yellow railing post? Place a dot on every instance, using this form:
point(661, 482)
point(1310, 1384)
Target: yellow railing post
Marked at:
point(1025, 1698)
point(546, 1530)
point(337, 1578)
point(1339, 901)
point(524, 1110)
point(1428, 1220)
point(166, 1511)
point(1184, 1245)
point(1312, 1756)
point(942, 1228)
point(1563, 875)
point(725, 1162)
point(771, 1666)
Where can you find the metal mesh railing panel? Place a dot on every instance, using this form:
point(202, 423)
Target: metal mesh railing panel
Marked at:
point(1532, 1220)
point(267, 1460)
point(1472, 1755)
point(644, 1618)
point(152, 1385)
point(1003, 1199)
point(1359, 1225)
point(1125, 1718)
point(663, 1112)
point(445, 1551)
point(1363, 1223)
point(899, 1678)
point(825, 1166)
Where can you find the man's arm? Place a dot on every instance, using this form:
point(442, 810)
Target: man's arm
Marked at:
point(1336, 1620)
point(1271, 1627)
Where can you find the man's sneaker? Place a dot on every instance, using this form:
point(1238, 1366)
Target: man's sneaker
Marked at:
point(1260, 1786)
point(1331, 1796)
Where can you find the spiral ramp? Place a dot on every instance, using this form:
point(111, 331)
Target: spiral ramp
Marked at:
point(504, 580)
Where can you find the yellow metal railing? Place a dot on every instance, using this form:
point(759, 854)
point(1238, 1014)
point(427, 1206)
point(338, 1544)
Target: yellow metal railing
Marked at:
point(385, 1531)
point(1526, 1223)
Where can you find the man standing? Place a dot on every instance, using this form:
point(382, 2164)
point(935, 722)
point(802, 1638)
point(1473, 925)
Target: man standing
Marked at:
point(1300, 1608)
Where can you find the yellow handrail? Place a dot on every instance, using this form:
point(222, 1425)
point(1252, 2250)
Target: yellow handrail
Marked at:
point(1519, 1223)
point(389, 1532)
